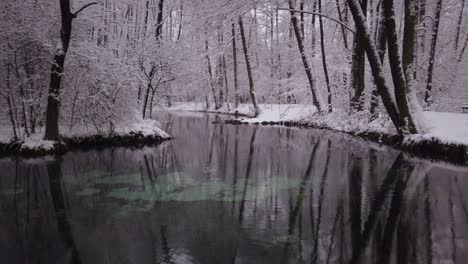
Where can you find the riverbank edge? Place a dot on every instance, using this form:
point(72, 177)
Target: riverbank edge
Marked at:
point(133, 140)
point(430, 149)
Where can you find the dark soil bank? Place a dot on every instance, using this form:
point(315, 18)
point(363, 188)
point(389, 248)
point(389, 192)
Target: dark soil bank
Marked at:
point(132, 140)
point(431, 149)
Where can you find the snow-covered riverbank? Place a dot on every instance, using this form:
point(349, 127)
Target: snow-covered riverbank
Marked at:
point(144, 132)
point(446, 133)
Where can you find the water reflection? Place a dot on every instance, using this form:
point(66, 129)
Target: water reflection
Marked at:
point(234, 194)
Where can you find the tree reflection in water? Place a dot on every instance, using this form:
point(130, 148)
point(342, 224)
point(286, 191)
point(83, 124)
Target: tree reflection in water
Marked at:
point(234, 194)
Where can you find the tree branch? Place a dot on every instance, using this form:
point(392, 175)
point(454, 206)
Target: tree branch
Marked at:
point(319, 14)
point(83, 8)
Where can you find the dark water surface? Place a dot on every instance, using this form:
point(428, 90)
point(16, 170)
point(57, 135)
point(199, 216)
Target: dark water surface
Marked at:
point(234, 194)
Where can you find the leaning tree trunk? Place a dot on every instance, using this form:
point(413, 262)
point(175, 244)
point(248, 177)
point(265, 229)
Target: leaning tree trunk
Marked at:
point(460, 57)
point(396, 67)
point(343, 29)
point(249, 67)
point(300, 43)
point(459, 24)
point(376, 65)
point(56, 73)
point(430, 71)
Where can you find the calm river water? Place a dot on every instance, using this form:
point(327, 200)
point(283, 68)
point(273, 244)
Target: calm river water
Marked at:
point(234, 194)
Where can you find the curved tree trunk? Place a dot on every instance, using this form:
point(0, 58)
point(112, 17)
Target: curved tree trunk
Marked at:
point(376, 65)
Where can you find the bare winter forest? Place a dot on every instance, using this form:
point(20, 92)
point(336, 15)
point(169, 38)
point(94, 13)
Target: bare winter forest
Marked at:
point(97, 64)
point(234, 131)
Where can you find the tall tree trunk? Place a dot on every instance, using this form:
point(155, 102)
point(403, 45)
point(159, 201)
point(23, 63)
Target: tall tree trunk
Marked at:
point(422, 25)
point(358, 68)
point(381, 42)
point(343, 29)
point(56, 73)
point(22, 98)
point(220, 71)
point(9, 102)
point(399, 80)
point(463, 49)
point(376, 65)
point(314, 39)
point(226, 83)
point(410, 41)
point(459, 23)
point(289, 92)
point(324, 59)
point(179, 31)
point(210, 74)
point(145, 22)
point(234, 61)
point(300, 43)
point(301, 7)
point(432, 55)
point(249, 67)
point(159, 20)
point(145, 102)
point(410, 53)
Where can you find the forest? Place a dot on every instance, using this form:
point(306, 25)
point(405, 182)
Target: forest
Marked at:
point(96, 65)
point(233, 131)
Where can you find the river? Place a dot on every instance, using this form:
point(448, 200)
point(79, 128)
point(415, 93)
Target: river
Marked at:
point(234, 194)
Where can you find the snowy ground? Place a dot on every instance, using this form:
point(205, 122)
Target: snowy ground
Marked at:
point(447, 127)
point(450, 128)
point(36, 142)
point(268, 112)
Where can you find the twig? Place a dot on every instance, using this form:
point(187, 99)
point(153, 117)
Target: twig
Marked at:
point(83, 8)
point(319, 14)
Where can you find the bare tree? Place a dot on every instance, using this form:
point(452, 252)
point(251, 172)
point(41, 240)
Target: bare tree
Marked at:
point(324, 59)
point(234, 62)
point(248, 67)
point(376, 66)
point(56, 73)
point(399, 80)
point(459, 24)
point(300, 44)
point(358, 68)
point(432, 55)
